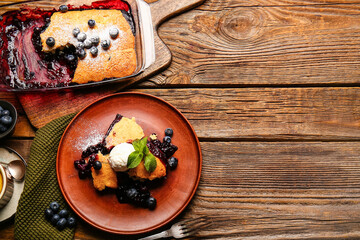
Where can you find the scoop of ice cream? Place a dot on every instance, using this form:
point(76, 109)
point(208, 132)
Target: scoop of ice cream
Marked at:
point(119, 156)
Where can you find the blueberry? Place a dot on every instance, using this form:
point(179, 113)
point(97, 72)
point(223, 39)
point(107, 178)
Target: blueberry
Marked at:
point(97, 165)
point(61, 224)
point(95, 40)
point(77, 164)
point(49, 213)
point(173, 162)
point(71, 222)
point(81, 53)
point(94, 51)
point(87, 43)
point(151, 203)
point(88, 173)
point(63, 8)
point(80, 45)
point(76, 31)
point(5, 112)
point(167, 139)
point(169, 132)
point(50, 41)
point(55, 218)
point(6, 120)
point(91, 23)
point(82, 174)
point(63, 213)
point(54, 206)
point(105, 44)
point(1, 108)
point(3, 128)
point(81, 37)
point(70, 58)
point(131, 193)
point(114, 32)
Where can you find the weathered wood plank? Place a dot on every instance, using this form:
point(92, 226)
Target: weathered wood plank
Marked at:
point(272, 190)
point(280, 190)
point(271, 42)
point(269, 113)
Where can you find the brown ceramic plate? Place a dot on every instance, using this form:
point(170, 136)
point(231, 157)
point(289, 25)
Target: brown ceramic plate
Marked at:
point(102, 210)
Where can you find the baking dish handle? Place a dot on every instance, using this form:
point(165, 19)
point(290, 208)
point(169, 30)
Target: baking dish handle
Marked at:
point(148, 37)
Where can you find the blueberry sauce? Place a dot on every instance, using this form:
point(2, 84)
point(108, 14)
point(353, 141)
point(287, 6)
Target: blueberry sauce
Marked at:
point(23, 64)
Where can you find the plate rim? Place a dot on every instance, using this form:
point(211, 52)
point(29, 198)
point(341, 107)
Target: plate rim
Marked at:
point(178, 211)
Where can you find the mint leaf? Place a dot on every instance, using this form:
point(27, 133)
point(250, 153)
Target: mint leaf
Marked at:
point(143, 145)
point(134, 159)
point(150, 162)
point(146, 151)
point(137, 145)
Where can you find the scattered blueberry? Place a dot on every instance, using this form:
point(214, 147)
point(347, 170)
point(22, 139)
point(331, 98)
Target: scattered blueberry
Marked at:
point(114, 32)
point(81, 53)
point(76, 31)
point(61, 224)
point(80, 45)
point(71, 222)
point(173, 162)
point(97, 165)
point(63, 213)
point(151, 203)
point(87, 43)
point(3, 128)
point(63, 8)
point(1, 108)
point(105, 44)
point(5, 112)
point(54, 206)
point(50, 41)
point(49, 213)
point(91, 23)
point(95, 40)
point(81, 37)
point(94, 51)
point(55, 218)
point(167, 139)
point(169, 132)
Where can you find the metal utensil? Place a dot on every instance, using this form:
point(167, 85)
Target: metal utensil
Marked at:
point(181, 229)
point(16, 169)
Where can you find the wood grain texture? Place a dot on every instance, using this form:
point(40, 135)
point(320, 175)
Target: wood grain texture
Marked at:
point(268, 113)
point(271, 190)
point(263, 43)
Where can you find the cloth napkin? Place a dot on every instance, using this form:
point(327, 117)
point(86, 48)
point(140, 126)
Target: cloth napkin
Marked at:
point(41, 186)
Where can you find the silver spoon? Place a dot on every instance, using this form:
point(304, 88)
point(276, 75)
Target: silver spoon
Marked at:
point(17, 169)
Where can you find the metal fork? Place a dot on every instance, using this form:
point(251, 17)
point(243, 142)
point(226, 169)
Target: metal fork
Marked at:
point(181, 229)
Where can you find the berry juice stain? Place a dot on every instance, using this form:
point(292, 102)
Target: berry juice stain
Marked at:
point(23, 63)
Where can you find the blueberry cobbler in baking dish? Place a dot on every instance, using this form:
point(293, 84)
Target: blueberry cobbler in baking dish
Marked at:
point(128, 162)
point(67, 46)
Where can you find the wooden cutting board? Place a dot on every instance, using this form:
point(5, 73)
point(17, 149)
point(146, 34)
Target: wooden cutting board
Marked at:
point(42, 107)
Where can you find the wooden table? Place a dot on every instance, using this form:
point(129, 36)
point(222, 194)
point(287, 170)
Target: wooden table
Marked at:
point(272, 90)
